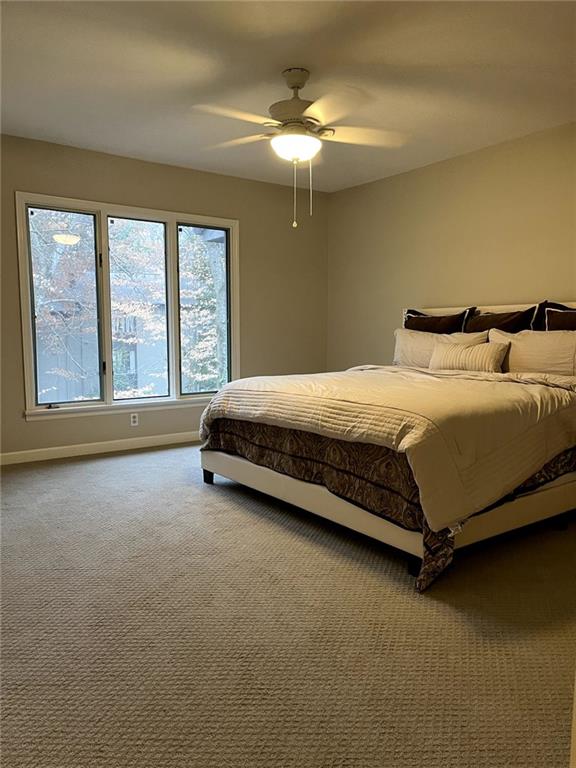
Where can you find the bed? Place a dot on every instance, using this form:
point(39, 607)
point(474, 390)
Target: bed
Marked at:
point(425, 461)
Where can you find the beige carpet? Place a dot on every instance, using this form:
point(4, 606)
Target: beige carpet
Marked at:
point(154, 622)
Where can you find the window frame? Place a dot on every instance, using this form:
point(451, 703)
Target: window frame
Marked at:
point(102, 211)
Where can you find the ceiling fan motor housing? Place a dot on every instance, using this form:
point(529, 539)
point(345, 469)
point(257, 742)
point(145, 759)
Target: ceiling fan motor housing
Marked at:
point(296, 77)
point(291, 111)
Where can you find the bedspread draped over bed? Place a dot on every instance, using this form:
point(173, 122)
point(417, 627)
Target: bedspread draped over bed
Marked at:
point(373, 477)
point(469, 439)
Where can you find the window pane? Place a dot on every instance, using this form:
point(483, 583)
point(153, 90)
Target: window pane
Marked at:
point(138, 298)
point(203, 275)
point(65, 296)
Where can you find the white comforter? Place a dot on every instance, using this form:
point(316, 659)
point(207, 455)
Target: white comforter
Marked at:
point(470, 438)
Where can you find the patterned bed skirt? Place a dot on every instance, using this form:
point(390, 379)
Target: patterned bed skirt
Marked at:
point(372, 477)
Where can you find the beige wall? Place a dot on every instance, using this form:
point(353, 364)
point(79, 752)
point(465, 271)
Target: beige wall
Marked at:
point(282, 274)
point(495, 226)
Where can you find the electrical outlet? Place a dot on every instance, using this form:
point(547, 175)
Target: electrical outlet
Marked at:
point(133, 419)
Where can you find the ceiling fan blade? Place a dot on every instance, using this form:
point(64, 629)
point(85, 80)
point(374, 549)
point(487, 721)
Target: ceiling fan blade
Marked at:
point(336, 105)
point(239, 141)
point(233, 114)
point(368, 137)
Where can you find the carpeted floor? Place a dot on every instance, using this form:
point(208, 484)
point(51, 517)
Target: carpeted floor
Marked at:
point(151, 621)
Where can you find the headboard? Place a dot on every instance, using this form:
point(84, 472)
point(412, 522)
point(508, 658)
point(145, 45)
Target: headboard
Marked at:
point(487, 308)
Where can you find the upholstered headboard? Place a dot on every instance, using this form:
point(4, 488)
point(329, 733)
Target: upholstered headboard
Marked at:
point(487, 308)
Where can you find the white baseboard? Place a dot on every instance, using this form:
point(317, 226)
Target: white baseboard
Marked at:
point(106, 446)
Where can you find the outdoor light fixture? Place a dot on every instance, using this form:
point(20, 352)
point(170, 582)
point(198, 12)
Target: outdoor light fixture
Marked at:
point(66, 238)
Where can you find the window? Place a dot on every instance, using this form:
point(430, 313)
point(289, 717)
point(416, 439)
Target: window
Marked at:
point(139, 308)
point(64, 299)
point(203, 289)
point(124, 306)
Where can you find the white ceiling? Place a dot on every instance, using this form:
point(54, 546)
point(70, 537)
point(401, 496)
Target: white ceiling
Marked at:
point(123, 77)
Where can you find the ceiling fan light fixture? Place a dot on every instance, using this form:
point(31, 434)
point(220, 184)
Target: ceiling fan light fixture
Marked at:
point(296, 146)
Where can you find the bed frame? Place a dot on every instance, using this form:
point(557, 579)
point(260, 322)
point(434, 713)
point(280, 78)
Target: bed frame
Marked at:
point(552, 499)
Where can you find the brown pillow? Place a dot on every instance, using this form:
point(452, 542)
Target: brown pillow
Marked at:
point(511, 322)
point(560, 320)
point(415, 320)
point(539, 323)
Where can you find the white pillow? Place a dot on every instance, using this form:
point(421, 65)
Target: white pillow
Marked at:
point(539, 351)
point(463, 357)
point(414, 348)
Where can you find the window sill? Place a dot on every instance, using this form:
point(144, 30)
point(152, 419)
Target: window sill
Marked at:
point(134, 406)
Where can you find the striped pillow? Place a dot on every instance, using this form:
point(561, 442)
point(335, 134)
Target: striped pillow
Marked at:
point(414, 348)
point(459, 357)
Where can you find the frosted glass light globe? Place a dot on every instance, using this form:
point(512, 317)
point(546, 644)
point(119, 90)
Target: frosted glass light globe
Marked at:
point(296, 146)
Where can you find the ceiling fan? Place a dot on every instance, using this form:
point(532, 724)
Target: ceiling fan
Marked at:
point(297, 127)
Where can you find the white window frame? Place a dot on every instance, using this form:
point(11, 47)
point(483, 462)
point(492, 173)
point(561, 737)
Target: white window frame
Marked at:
point(102, 211)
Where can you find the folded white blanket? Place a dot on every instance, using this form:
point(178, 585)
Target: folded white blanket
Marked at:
point(470, 438)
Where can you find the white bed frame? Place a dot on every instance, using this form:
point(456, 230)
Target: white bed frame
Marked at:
point(552, 499)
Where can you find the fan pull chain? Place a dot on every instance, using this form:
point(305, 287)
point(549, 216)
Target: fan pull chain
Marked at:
point(310, 168)
point(294, 222)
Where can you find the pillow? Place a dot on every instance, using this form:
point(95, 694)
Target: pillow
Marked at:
point(539, 323)
point(463, 357)
point(414, 348)
point(560, 320)
point(512, 322)
point(539, 351)
point(415, 320)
